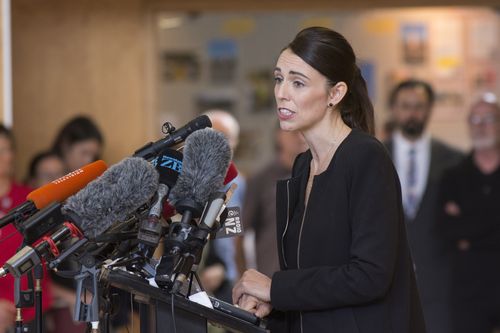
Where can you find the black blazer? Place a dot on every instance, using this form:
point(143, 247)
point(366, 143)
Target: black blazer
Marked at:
point(355, 273)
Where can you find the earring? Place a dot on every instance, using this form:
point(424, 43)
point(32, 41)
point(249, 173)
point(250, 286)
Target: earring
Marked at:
point(330, 105)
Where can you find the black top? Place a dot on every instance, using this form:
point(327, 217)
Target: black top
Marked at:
point(477, 220)
point(349, 269)
point(478, 197)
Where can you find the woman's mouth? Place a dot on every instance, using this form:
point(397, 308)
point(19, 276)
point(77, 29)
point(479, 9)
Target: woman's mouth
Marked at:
point(285, 114)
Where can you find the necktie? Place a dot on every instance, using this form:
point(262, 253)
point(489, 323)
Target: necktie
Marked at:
point(411, 202)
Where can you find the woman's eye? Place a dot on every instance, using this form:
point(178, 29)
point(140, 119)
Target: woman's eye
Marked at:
point(298, 84)
point(278, 79)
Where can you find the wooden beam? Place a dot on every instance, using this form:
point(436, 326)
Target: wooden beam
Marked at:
point(290, 5)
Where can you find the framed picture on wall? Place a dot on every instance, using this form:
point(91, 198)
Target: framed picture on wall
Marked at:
point(414, 43)
point(180, 66)
point(222, 54)
point(261, 85)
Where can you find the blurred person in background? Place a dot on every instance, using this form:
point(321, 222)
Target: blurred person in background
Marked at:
point(469, 217)
point(78, 143)
point(420, 161)
point(259, 210)
point(44, 168)
point(220, 271)
point(11, 195)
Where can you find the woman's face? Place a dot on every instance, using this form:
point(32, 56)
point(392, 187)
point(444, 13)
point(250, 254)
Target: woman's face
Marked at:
point(81, 153)
point(6, 157)
point(301, 93)
point(48, 169)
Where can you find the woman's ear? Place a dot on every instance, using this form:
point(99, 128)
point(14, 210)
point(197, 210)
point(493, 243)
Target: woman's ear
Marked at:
point(337, 93)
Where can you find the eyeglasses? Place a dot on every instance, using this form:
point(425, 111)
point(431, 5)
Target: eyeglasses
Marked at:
point(478, 120)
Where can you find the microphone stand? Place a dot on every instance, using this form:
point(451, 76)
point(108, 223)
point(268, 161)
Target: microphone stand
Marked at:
point(23, 299)
point(38, 270)
point(87, 312)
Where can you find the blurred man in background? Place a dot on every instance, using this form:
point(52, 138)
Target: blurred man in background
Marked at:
point(420, 161)
point(470, 221)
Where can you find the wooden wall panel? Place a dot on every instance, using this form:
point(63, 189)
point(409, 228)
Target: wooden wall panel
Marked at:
point(79, 57)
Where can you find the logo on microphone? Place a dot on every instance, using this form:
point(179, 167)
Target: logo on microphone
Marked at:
point(68, 176)
point(168, 162)
point(233, 225)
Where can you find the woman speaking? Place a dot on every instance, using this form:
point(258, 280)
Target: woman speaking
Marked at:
point(345, 263)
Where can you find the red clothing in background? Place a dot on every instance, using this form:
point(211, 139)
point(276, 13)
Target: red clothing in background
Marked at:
point(8, 247)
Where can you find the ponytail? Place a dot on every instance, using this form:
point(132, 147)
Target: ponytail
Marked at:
point(356, 109)
point(330, 53)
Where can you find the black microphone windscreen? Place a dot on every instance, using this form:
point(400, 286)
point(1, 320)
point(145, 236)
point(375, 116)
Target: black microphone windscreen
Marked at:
point(206, 159)
point(169, 165)
point(112, 197)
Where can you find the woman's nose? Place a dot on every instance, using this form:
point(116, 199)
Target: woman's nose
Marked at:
point(281, 91)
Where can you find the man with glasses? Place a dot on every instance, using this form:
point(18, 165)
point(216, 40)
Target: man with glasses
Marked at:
point(420, 161)
point(469, 208)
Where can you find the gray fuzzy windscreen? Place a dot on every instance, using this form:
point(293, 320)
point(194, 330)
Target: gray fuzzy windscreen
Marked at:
point(117, 193)
point(206, 159)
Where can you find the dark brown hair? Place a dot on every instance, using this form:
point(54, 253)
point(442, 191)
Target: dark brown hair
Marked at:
point(78, 129)
point(7, 133)
point(411, 84)
point(330, 53)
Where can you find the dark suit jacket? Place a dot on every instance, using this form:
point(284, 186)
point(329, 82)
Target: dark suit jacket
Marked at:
point(432, 261)
point(355, 273)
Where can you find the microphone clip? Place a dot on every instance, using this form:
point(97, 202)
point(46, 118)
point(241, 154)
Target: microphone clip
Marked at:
point(167, 128)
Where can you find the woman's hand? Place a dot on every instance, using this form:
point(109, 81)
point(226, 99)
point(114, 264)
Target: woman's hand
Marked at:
point(255, 284)
point(254, 305)
point(7, 314)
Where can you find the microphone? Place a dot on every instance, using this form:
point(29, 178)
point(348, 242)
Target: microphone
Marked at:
point(206, 160)
point(57, 190)
point(169, 165)
point(119, 192)
point(232, 172)
point(150, 150)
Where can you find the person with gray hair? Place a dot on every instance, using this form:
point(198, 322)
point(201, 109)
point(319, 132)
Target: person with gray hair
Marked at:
point(216, 277)
point(469, 219)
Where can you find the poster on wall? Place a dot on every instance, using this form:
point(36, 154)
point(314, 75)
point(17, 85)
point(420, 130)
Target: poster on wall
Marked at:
point(180, 66)
point(483, 39)
point(222, 54)
point(415, 43)
point(261, 87)
point(447, 41)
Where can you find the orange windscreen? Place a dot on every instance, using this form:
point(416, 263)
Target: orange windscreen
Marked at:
point(64, 187)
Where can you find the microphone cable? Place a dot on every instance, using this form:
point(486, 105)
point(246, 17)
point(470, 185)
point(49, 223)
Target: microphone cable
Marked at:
point(173, 313)
point(12, 234)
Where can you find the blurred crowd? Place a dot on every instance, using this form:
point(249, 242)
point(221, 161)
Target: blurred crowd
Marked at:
point(449, 197)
